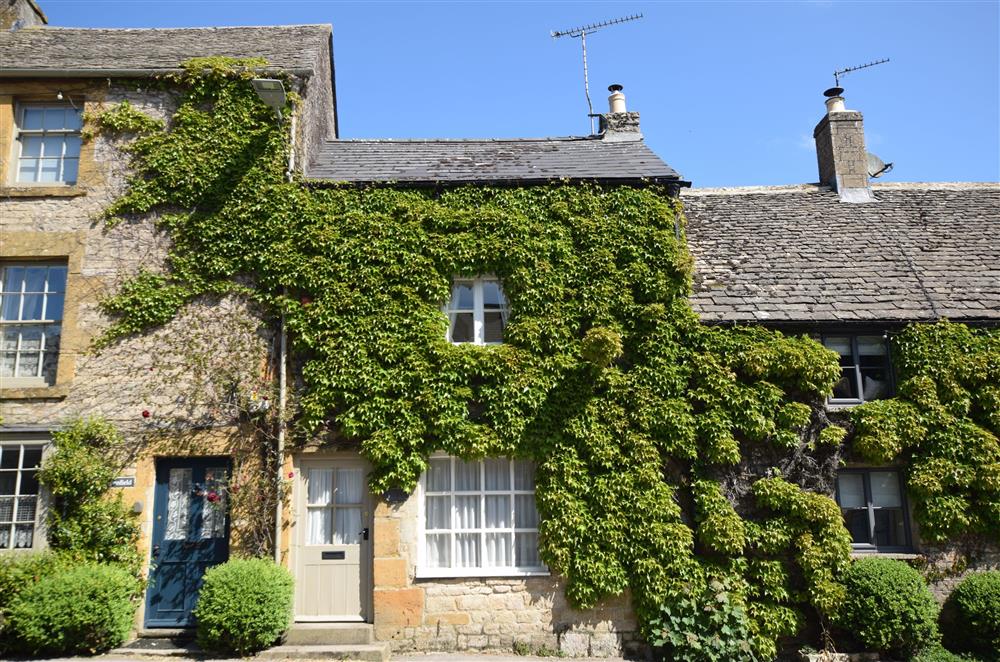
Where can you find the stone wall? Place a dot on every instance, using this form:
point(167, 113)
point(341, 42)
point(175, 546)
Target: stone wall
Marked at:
point(493, 613)
point(946, 566)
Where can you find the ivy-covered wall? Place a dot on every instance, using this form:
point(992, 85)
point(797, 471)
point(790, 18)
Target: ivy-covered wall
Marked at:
point(673, 458)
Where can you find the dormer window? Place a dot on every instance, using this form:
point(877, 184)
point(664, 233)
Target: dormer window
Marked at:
point(477, 311)
point(864, 367)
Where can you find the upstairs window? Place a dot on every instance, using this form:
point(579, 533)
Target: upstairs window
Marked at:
point(477, 311)
point(874, 509)
point(864, 366)
point(19, 509)
point(49, 137)
point(31, 311)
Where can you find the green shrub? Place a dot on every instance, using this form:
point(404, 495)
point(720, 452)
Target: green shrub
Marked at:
point(86, 609)
point(888, 607)
point(971, 616)
point(18, 572)
point(244, 606)
point(938, 653)
point(702, 626)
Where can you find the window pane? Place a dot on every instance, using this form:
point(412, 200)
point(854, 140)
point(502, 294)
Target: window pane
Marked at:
point(11, 306)
point(72, 148)
point(57, 279)
point(10, 457)
point(498, 550)
point(55, 118)
point(851, 490)
point(889, 529)
point(526, 550)
point(34, 279)
point(54, 307)
point(467, 550)
point(32, 457)
point(524, 475)
point(493, 296)
point(525, 515)
point(438, 550)
point(7, 360)
point(871, 346)
point(497, 512)
point(856, 522)
point(32, 118)
point(50, 366)
point(74, 119)
point(840, 345)
point(467, 512)
point(320, 526)
point(439, 475)
point(28, 364)
point(10, 337)
point(178, 503)
point(32, 308)
point(70, 168)
point(26, 170)
point(52, 147)
point(847, 387)
point(8, 481)
point(4, 537)
point(24, 534)
point(26, 509)
point(31, 338)
point(12, 277)
point(31, 146)
point(875, 383)
point(462, 329)
point(320, 487)
point(466, 476)
point(493, 324)
point(497, 473)
point(348, 526)
point(6, 510)
point(29, 482)
point(461, 296)
point(350, 486)
point(438, 512)
point(885, 489)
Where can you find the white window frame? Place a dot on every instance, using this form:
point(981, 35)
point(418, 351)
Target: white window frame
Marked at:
point(424, 572)
point(477, 310)
point(39, 380)
point(21, 132)
point(39, 539)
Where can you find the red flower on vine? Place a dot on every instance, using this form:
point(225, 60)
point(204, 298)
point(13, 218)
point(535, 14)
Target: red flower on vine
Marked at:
point(291, 474)
point(212, 496)
point(145, 413)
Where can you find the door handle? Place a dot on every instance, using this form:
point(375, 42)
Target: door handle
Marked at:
point(364, 533)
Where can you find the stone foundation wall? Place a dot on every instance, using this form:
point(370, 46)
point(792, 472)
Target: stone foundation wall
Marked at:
point(946, 566)
point(489, 613)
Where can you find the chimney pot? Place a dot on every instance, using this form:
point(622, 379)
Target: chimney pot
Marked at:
point(616, 102)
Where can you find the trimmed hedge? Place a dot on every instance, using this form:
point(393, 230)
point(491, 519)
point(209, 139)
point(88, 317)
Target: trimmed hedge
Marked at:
point(244, 606)
point(888, 607)
point(971, 616)
point(86, 609)
point(18, 572)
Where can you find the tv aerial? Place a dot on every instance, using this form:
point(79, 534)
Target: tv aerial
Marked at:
point(876, 167)
point(581, 32)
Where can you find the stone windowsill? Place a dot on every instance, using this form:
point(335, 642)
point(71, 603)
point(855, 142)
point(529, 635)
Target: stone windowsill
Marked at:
point(34, 392)
point(899, 556)
point(60, 191)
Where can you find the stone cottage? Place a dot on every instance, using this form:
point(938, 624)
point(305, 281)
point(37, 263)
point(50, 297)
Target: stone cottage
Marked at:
point(843, 260)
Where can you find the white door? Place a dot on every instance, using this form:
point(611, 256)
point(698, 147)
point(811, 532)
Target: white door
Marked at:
point(333, 555)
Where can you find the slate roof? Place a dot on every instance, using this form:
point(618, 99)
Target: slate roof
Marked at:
point(520, 160)
point(42, 49)
point(799, 255)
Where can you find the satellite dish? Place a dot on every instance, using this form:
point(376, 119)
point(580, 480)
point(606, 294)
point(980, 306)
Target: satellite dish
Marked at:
point(876, 166)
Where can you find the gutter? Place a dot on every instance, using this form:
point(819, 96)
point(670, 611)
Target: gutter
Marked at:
point(435, 183)
point(7, 72)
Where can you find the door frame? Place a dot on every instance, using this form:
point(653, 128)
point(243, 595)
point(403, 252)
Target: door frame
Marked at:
point(160, 495)
point(300, 464)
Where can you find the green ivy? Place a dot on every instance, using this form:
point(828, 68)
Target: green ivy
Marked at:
point(631, 409)
point(944, 424)
point(123, 118)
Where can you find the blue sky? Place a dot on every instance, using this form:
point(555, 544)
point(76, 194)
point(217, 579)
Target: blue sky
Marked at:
point(729, 92)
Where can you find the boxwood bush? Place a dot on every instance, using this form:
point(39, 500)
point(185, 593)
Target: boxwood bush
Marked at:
point(18, 572)
point(244, 606)
point(84, 609)
point(971, 616)
point(888, 607)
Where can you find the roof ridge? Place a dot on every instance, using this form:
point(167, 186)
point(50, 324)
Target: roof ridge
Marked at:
point(51, 28)
point(410, 141)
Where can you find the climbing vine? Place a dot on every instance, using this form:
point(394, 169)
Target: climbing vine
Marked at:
point(944, 425)
point(642, 422)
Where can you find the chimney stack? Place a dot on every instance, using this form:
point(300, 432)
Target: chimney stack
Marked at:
point(618, 123)
point(840, 150)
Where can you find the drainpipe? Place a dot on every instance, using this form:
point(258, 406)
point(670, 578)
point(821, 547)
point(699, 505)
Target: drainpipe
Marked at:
point(282, 381)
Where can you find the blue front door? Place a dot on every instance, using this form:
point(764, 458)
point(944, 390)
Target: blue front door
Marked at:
point(190, 534)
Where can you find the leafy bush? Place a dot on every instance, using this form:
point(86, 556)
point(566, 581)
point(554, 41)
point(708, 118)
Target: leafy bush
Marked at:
point(938, 653)
point(888, 607)
point(78, 475)
point(86, 609)
point(18, 572)
point(702, 626)
point(244, 606)
point(971, 616)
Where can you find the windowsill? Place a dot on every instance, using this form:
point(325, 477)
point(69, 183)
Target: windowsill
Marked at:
point(898, 555)
point(28, 392)
point(41, 191)
point(837, 406)
point(478, 573)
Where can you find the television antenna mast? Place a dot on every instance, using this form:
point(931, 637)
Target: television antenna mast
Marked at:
point(843, 72)
point(581, 32)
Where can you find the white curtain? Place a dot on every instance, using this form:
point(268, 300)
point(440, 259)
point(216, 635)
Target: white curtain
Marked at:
point(23, 535)
point(467, 550)
point(439, 550)
point(213, 514)
point(497, 511)
point(524, 475)
point(467, 512)
point(438, 512)
point(320, 493)
point(466, 476)
point(439, 475)
point(178, 503)
point(498, 550)
point(497, 472)
point(348, 526)
point(525, 515)
point(526, 550)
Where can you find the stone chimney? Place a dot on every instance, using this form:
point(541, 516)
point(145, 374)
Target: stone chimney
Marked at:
point(17, 14)
point(618, 123)
point(840, 150)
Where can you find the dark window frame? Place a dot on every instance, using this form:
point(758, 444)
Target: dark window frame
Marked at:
point(865, 472)
point(856, 359)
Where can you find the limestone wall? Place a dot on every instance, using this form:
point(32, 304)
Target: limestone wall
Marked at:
point(483, 613)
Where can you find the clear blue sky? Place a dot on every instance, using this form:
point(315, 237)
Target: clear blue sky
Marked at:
point(729, 91)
